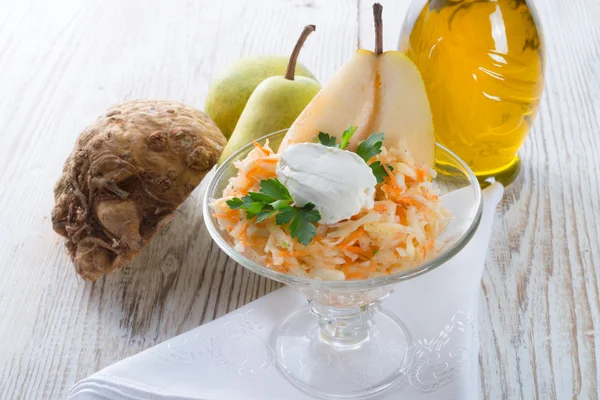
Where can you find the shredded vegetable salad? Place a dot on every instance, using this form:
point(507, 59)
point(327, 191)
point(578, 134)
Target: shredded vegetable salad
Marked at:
point(399, 232)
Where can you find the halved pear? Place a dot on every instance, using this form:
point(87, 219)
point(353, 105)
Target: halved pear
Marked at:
point(402, 109)
point(376, 92)
point(347, 100)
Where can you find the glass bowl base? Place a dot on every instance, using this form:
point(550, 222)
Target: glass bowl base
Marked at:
point(348, 372)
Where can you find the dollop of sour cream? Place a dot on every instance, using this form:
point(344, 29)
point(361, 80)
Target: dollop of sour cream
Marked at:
point(338, 182)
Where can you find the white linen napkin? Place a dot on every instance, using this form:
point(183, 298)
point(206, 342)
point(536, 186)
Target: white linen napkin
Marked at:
point(231, 359)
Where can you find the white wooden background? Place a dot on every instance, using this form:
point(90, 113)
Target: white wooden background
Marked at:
point(62, 62)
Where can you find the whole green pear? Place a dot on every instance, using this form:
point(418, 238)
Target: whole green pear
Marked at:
point(229, 93)
point(275, 103)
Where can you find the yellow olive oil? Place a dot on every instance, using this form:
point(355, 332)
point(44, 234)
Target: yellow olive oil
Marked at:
point(483, 64)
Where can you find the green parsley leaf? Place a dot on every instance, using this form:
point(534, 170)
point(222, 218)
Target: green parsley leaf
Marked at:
point(302, 226)
point(326, 140)
point(302, 221)
point(246, 203)
point(346, 136)
point(235, 203)
point(379, 171)
point(286, 214)
point(272, 196)
point(260, 197)
point(265, 213)
point(302, 230)
point(370, 147)
point(275, 189)
point(308, 211)
point(280, 203)
point(375, 251)
point(253, 209)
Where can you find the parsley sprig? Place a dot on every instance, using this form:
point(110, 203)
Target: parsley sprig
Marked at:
point(274, 199)
point(326, 140)
point(367, 149)
point(302, 218)
point(346, 135)
point(370, 147)
point(379, 171)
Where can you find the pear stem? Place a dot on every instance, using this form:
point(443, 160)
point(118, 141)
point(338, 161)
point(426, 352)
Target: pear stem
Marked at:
point(291, 67)
point(377, 10)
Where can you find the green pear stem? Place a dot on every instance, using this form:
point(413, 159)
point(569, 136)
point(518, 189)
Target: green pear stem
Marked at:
point(291, 67)
point(377, 10)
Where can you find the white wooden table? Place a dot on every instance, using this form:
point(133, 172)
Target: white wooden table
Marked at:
point(63, 62)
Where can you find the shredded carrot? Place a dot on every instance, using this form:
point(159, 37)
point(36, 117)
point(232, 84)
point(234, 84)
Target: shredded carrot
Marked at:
point(352, 237)
point(409, 181)
point(280, 268)
point(391, 176)
point(430, 196)
point(263, 149)
point(421, 174)
point(229, 217)
point(400, 236)
point(379, 207)
point(391, 189)
point(408, 201)
point(243, 232)
point(395, 195)
point(401, 213)
point(401, 246)
point(246, 188)
point(354, 274)
point(258, 169)
point(297, 253)
point(358, 250)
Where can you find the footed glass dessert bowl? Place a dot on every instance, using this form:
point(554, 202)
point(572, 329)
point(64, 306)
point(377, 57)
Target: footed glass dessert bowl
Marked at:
point(343, 344)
